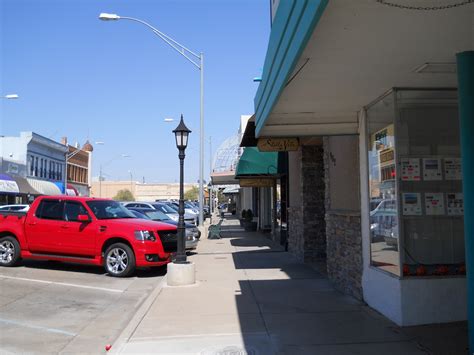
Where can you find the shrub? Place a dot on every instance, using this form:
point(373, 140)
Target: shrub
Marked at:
point(249, 215)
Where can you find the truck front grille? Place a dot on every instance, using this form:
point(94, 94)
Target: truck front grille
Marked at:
point(169, 240)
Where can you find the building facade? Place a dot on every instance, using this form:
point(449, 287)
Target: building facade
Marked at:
point(79, 168)
point(379, 99)
point(140, 191)
point(31, 165)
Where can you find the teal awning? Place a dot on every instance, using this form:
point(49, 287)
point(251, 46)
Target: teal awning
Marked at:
point(256, 163)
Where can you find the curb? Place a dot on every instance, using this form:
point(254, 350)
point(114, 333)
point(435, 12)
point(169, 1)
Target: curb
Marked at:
point(124, 337)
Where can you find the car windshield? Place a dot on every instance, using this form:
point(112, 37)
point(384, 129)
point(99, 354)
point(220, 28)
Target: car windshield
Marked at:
point(189, 205)
point(157, 215)
point(139, 215)
point(109, 210)
point(164, 208)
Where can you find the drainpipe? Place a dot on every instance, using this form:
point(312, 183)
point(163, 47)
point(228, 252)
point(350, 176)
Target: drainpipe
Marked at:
point(465, 69)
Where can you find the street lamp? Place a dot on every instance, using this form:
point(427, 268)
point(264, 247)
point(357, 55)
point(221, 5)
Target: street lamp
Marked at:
point(10, 97)
point(189, 55)
point(181, 133)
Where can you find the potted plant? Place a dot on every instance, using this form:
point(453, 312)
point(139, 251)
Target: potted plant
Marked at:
point(249, 224)
point(242, 217)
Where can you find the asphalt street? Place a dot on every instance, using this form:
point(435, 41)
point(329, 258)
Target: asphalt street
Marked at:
point(64, 308)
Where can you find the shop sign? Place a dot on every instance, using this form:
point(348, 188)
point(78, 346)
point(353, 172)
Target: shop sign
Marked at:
point(262, 182)
point(277, 144)
point(12, 168)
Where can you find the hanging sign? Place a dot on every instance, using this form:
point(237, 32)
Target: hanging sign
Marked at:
point(263, 182)
point(277, 144)
point(452, 169)
point(411, 204)
point(432, 169)
point(434, 203)
point(410, 168)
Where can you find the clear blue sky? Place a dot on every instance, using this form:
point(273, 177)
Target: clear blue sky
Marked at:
point(116, 81)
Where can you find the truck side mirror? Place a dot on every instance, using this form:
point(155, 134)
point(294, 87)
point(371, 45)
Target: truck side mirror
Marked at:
point(83, 218)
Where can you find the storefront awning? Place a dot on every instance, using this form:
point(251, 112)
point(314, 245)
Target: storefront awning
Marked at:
point(254, 163)
point(8, 185)
point(231, 189)
point(44, 187)
point(248, 138)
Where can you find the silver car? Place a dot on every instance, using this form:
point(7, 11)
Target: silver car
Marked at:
point(163, 207)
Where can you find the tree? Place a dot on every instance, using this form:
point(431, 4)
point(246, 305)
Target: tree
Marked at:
point(124, 195)
point(192, 194)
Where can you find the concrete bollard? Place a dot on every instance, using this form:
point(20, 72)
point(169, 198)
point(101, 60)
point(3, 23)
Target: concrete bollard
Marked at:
point(181, 274)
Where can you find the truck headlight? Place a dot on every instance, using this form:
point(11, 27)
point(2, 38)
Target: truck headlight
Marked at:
point(145, 235)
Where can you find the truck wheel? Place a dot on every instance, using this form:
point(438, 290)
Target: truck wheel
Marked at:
point(9, 251)
point(119, 260)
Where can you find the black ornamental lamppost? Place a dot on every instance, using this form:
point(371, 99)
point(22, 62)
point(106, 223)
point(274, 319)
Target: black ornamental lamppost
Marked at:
point(181, 133)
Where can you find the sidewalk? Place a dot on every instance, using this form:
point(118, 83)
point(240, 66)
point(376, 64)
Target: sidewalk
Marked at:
point(252, 297)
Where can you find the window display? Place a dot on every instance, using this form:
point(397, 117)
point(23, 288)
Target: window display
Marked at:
point(415, 168)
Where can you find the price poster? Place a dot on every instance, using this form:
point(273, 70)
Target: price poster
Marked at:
point(455, 204)
point(434, 204)
point(452, 168)
point(410, 168)
point(432, 169)
point(411, 204)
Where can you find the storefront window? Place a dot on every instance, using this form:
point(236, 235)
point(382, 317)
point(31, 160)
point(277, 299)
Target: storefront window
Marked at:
point(416, 206)
point(384, 234)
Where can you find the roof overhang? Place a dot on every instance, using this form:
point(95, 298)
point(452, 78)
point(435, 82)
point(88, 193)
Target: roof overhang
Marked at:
point(248, 138)
point(326, 60)
point(224, 178)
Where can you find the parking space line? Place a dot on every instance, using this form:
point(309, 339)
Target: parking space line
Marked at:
point(46, 329)
point(62, 284)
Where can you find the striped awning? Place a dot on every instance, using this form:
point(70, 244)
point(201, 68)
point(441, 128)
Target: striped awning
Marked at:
point(44, 187)
point(8, 185)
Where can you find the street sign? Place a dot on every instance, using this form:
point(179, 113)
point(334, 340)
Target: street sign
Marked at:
point(256, 182)
point(277, 144)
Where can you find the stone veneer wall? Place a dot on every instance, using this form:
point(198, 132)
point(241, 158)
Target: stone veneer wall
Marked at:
point(307, 227)
point(344, 248)
point(344, 239)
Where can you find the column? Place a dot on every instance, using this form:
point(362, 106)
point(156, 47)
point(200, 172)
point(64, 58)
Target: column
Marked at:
point(465, 69)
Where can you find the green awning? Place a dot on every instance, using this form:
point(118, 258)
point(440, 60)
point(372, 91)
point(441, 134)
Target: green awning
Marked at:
point(256, 163)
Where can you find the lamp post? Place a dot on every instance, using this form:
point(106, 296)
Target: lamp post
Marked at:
point(131, 181)
point(181, 133)
point(198, 62)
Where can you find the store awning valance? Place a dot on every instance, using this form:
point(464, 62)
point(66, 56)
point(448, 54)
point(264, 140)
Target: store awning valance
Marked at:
point(44, 187)
point(8, 185)
point(254, 163)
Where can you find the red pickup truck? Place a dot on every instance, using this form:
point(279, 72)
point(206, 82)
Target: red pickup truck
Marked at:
point(85, 230)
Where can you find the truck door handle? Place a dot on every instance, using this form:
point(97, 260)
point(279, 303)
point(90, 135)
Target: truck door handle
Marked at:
point(64, 227)
point(102, 228)
point(32, 223)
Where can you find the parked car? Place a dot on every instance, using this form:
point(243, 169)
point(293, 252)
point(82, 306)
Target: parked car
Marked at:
point(205, 209)
point(384, 222)
point(165, 208)
point(17, 208)
point(188, 212)
point(85, 230)
point(192, 232)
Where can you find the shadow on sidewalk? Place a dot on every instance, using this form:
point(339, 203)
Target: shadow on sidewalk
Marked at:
point(299, 312)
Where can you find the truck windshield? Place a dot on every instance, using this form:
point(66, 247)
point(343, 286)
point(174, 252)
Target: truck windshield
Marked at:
point(109, 210)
